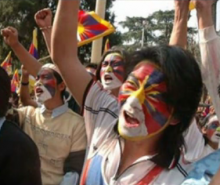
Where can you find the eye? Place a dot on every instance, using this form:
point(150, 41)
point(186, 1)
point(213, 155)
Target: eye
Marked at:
point(105, 63)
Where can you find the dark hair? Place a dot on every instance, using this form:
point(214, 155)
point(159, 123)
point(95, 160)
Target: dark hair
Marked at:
point(5, 92)
point(184, 89)
point(92, 65)
point(112, 50)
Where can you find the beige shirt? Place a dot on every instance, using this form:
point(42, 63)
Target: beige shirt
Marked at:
point(56, 135)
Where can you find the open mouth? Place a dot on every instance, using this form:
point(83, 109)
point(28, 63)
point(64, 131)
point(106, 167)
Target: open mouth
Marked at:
point(38, 91)
point(218, 134)
point(131, 121)
point(108, 78)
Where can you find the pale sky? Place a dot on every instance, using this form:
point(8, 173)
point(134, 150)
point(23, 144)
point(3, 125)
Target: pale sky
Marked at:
point(143, 8)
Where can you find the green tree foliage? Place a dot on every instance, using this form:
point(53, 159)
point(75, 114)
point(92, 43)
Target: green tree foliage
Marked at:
point(157, 29)
point(20, 14)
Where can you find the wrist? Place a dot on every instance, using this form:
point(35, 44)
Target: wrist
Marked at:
point(24, 83)
point(15, 45)
point(45, 28)
point(25, 78)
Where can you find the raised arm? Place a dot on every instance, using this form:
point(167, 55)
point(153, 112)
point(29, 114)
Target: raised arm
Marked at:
point(10, 35)
point(209, 47)
point(43, 19)
point(24, 91)
point(64, 48)
point(179, 33)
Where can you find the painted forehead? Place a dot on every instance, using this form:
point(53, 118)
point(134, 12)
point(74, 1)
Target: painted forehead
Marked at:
point(113, 57)
point(146, 68)
point(45, 71)
point(213, 119)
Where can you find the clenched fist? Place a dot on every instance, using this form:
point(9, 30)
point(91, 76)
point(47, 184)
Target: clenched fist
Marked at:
point(10, 35)
point(43, 18)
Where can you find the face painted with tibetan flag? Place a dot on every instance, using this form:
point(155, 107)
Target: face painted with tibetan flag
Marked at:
point(144, 112)
point(112, 71)
point(45, 86)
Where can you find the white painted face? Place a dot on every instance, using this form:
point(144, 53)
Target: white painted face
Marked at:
point(45, 86)
point(112, 71)
point(213, 129)
point(41, 93)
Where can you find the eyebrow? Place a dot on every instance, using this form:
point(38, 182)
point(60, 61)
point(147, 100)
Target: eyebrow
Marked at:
point(132, 78)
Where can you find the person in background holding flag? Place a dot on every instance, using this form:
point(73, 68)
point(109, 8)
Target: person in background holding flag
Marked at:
point(19, 157)
point(7, 64)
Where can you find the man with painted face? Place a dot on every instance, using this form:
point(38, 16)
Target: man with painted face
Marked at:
point(58, 132)
point(157, 103)
point(110, 71)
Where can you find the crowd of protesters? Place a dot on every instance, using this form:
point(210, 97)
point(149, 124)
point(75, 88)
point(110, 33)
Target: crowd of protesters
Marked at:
point(148, 117)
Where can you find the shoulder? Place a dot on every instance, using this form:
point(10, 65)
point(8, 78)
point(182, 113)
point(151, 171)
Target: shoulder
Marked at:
point(15, 136)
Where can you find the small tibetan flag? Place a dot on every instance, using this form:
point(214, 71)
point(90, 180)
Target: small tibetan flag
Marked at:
point(92, 27)
point(15, 82)
point(34, 45)
point(191, 6)
point(7, 65)
point(107, 45)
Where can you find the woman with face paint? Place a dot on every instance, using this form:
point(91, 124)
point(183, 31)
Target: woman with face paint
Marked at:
point(156, 105)
point(110, 72)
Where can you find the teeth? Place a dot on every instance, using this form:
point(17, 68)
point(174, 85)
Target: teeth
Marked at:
point(129, 114)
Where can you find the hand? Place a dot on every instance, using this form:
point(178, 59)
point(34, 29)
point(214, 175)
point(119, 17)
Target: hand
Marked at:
point(24, 72)
point(10, 35)
point(43, 18)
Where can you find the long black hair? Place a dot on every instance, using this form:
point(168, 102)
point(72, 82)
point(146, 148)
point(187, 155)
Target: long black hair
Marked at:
point(114, 49)
point(184, 89)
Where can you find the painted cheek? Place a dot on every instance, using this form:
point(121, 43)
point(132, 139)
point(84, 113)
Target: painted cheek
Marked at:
point(50, 86)
point(210, 133)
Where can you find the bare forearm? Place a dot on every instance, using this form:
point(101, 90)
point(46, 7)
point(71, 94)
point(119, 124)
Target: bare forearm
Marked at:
point(64, 41)
point(24, 92)
point(30, 63)
point(47, 39)
point(179, 33)
point(64, 48)
point(205, 17)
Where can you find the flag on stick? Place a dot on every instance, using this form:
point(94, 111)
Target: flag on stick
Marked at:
point(33, 50)
point(7, 65)
point(15, 82)
point(92, 27)
point(107, 45)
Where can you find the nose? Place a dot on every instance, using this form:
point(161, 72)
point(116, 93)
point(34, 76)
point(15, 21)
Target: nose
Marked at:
point(109, 69)
point(139, 95)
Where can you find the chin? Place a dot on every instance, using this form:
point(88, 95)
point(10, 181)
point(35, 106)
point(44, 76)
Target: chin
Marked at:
point(131, 134)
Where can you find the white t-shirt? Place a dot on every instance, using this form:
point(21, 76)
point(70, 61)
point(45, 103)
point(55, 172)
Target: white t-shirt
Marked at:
point(106, 146)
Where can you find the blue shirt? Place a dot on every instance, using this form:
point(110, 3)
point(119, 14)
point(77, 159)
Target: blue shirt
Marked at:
point(204, 170)
point(57, 111)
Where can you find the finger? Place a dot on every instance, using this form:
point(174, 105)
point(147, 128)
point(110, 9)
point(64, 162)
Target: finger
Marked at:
point(12, 29)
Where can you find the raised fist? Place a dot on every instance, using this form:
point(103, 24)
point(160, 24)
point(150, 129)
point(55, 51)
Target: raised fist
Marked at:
point(10, 36)
point(43, 18)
